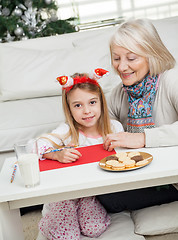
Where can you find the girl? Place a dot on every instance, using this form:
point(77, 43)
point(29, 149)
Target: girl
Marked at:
point(87, 123)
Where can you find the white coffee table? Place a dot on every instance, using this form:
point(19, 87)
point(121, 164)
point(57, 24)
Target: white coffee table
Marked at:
point(78, 181)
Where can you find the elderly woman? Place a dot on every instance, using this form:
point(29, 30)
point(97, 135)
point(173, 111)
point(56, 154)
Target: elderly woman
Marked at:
point(145, 102)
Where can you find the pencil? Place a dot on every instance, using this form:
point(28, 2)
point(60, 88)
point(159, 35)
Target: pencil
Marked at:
point(13, 173)
point(58, 150)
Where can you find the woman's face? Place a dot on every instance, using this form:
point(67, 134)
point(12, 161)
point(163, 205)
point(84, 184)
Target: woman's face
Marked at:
point(132, 68)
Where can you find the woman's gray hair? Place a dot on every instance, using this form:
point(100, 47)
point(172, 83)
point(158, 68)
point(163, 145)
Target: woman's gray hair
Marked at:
point(141, 37)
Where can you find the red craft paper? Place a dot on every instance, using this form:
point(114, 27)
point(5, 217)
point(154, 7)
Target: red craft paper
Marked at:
point(90, 154)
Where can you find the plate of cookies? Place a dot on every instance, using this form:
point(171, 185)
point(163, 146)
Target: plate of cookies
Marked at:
point(125, 161)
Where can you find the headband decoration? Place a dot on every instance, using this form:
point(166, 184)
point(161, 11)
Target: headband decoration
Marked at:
point(68, 82)
point(98, 73)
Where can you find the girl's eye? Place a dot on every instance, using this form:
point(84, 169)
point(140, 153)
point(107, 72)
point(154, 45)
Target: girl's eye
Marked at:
point(77, 105)
point(92, 102)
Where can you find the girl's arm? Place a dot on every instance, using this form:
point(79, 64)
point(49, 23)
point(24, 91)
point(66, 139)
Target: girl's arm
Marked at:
point(51, 141)
point(64, 156)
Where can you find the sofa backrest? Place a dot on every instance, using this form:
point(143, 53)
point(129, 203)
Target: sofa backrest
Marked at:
point(29, 68)
point(33, 65)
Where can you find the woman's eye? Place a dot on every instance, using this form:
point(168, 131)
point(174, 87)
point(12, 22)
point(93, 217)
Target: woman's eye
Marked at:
point(131, 59)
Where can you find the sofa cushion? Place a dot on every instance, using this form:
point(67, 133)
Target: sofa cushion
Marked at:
point(57, 42)
point(92, 51)
point(167, 31)
point(32, 73)
point(28, 118)
point(86, 59)
point(28, 73)
point(156, 220)
point(121, 228)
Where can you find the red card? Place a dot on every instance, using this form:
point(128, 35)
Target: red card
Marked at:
point(90, 154)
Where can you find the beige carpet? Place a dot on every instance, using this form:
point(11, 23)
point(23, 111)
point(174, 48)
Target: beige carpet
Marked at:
point(30, 227)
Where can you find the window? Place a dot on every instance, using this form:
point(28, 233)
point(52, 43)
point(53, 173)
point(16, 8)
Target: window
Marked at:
point(98, 10)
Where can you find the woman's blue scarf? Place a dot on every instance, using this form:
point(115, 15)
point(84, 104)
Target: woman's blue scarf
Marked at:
point(141, 98)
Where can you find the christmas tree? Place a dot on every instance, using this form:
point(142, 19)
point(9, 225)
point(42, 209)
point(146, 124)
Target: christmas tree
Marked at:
point(23, 19)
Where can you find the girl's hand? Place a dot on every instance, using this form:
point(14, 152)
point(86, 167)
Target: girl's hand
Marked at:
point(67, 155)
point(125, 140)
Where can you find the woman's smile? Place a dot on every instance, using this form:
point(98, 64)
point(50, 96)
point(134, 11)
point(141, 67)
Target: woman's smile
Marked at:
point(126, 75)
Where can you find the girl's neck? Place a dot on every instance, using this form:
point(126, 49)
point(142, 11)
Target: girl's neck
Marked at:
point(90, 132)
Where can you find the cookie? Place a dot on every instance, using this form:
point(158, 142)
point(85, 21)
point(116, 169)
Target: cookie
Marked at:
point(121, 154)
point(102, 164)
point(123, 159)
point(118, 166)
point(131, 154)
point(112, 157)
point(111, 163)
point(129, 163)
point(137, 158)
point(142, 163)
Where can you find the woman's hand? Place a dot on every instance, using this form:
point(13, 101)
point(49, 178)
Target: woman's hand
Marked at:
point(125, 140)
point(67, 155)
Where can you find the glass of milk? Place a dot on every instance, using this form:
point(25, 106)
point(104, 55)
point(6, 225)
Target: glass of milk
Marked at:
point(28, 162)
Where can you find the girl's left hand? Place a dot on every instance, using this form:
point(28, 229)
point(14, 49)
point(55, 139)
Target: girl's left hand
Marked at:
point(125, 140)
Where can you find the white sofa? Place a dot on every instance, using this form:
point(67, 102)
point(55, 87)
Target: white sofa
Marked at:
point(30, 98)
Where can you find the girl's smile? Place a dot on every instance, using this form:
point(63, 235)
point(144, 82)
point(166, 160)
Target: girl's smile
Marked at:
point(88, 118)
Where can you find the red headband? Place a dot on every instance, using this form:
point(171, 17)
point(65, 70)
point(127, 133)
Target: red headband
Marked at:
point(68, 82)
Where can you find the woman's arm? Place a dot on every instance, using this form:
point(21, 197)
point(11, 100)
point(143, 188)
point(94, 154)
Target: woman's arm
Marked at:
point(165, 114)
point(163, 136)
point(125, 140)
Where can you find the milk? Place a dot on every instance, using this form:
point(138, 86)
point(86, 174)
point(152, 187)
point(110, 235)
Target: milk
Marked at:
point(29, 169)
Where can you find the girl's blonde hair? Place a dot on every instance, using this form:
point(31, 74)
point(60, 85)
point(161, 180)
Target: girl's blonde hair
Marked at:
point(141, 37)
point(104, 126)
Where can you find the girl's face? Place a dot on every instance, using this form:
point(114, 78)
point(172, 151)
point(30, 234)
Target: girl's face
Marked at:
point(85, 107)
point(132, 68)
